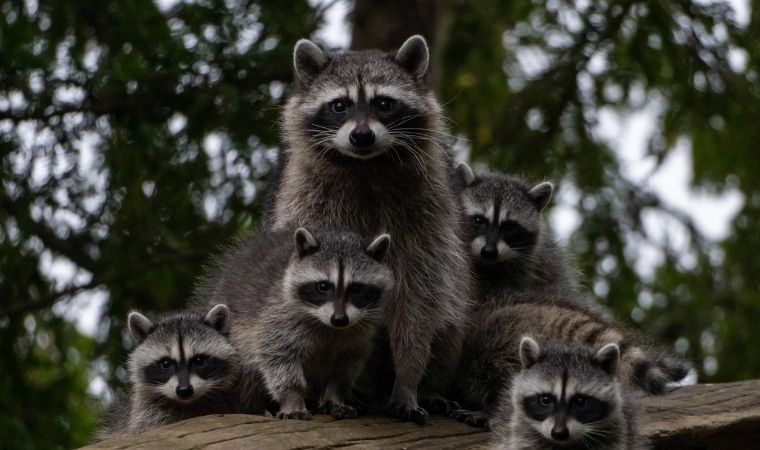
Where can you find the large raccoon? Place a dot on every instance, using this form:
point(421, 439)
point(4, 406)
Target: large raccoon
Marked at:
point(568, 397)
point(183, 366)
point(512, 248)
point(363, 150)
point(306, 308)
point(487, 369)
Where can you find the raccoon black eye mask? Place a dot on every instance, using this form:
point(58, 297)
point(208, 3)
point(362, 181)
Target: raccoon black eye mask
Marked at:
point(182, 366)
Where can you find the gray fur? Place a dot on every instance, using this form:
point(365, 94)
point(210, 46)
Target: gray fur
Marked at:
point(291, 351)
point(149, 403)
point(538, 263)
point(567, 374)
point(492, 358)
point(399, 185)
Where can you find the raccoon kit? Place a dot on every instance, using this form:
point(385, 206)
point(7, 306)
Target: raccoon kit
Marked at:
point(489, 370)
point(183, 366)
point(512, 248)
point(364, 150)
point(306, 306)
point(567, 396)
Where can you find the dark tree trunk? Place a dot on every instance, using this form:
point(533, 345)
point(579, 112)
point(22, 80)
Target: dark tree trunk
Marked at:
point(386, 24)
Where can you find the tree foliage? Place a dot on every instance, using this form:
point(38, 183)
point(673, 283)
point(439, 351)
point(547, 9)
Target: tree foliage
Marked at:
point(135, 139)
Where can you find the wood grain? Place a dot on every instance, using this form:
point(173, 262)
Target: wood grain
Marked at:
point(707, 416)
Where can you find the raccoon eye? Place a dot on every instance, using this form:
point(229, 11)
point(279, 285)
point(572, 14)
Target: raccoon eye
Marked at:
point(546, 399)
point(511, 227)
point(338, 106)
point(581, 401)
point(323, 286)
point(165, 363)
point(385, 105)
point(354, 288)
point(198, 360)
point(479, 221)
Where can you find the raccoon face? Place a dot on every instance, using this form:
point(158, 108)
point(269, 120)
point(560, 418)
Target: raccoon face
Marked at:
point(567, 393)
point(338, 279)
point(504, 215)
point(183, 357)
point(360, 104)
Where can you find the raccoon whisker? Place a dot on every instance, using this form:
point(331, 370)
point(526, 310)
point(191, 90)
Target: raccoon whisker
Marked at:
point(430, 131)
point(401, 120)
point(418, 155)
point(420, 135)
point(441, 144)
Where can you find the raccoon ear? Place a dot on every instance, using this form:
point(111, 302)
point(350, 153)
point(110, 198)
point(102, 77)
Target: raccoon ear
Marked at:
point(413, 56)
point(139, 326)
point(306, 243)
point(219, 319)
point(608, 357)
point(540, 194)
point(308, 60)
point(466, 174)
point(530, 351)
point(378, 248)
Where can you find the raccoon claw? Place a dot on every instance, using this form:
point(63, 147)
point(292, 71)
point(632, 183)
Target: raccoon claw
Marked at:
point(439, 405)
point(300, 414)
point(343, 412)
point(477, 419)
point(339, 412)
point(404, 412)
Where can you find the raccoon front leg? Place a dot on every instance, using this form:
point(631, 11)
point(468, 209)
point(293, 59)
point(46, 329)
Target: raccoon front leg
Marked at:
point(437, 385)
point(253, 395)
point(346, 369)
point(333, 400)
point(410, 344)
point(286, 384)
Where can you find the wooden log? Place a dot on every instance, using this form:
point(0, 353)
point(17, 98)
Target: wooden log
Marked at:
point(707, 416)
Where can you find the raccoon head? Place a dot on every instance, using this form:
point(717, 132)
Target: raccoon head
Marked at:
point(338, 278)
point(504, 214)
point(182, 357)
point(567, 392)
point(361, 104)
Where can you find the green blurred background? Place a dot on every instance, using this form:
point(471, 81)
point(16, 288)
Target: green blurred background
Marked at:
point(137, 137)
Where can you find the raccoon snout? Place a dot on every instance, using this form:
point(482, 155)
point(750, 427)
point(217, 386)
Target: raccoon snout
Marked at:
point(339, 321)
point(560, 432)
point(362, 136)
point(489, 253)
point(185, 391)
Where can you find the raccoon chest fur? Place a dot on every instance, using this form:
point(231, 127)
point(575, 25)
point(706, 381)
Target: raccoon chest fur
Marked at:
point(367, 199)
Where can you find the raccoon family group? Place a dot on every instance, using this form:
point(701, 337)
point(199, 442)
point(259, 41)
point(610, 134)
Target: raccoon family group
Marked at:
point(388, 279)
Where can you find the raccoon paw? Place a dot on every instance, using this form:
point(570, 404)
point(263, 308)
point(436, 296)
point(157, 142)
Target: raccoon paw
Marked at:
point(298, 414)
point(438, 404)
point(338, 411)
point(479, 419)
point(409, 413)
point(343, 412)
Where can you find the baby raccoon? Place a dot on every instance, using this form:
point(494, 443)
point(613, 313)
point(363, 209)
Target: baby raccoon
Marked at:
point(512, 247)
point(567, 396)
point(183, 366)
point(490, 363)
point(306, 306)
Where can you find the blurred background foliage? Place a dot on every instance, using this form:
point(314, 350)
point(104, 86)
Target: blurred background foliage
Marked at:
point(137, 137)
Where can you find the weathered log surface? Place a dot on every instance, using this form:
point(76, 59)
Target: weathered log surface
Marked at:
point(707, 416)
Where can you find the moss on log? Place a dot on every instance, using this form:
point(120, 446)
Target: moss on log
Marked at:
point(707, 416)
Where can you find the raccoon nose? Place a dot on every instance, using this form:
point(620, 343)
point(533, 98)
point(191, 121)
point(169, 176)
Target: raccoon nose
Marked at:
point(362, 136)
point(560, 433)
point(489, 254)
point(338, 321)
point(184, 391)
